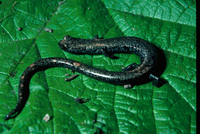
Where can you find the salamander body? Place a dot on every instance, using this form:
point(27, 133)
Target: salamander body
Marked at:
point(131, 75)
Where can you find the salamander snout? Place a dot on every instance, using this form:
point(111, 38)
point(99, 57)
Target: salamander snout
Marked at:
point(66, 43)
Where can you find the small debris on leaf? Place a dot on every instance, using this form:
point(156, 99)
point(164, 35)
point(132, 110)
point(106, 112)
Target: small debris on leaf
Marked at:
point(48, 30)
point(19, 29)
point(46, 118)
point(81, 100)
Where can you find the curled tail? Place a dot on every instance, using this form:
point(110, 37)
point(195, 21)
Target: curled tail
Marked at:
point(23, 91)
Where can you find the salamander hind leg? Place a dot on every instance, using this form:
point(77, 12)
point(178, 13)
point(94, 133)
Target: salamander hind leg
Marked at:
point(71, 77)
point(96, 37)
point(156, 80)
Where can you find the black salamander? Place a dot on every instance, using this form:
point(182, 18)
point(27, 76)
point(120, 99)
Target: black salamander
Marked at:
point(130, 75)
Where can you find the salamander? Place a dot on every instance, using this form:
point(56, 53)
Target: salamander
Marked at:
point(130, 75)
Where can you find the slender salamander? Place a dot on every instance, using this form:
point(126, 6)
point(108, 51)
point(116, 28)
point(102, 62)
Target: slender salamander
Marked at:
point(130, 75)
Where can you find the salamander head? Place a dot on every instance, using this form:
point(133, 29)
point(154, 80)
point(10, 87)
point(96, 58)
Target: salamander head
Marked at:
point(74, 45)
point(67, 43)
point(80, 46)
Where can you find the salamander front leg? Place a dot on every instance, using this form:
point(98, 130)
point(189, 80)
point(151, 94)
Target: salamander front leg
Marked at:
point(130, 67)
point(128, 86)
point(110, 55)
point(107, 54)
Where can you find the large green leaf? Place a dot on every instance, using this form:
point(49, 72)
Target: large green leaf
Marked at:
point(170, 25)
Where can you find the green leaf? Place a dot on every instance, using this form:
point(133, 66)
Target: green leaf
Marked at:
point(169, 25)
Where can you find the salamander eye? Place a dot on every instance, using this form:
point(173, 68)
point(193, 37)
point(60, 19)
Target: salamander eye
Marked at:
point(67, 37)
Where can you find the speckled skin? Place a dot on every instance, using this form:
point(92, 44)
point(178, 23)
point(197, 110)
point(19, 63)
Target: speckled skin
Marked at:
point(144, 49)
point(134, 75)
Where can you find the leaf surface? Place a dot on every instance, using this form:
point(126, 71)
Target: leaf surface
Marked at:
point(24, 38)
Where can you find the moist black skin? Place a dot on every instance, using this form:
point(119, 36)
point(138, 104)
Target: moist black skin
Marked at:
point(131, 75)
